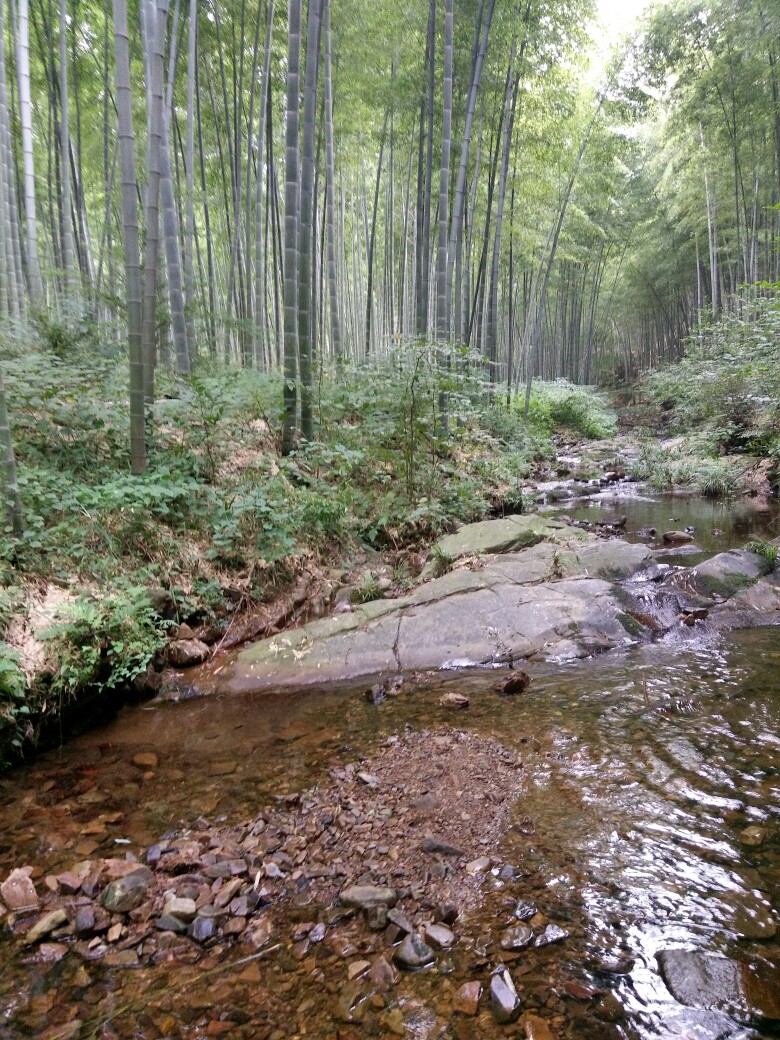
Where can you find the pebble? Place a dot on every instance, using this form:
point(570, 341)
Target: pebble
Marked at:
point(365, 896)
point(517, 938)
point(466, 999)
point(504, 1001)
point(478, 866)
point(536, 1028)
point(46, 925)
point(145, 760)
point(523, 911)
point(414, 953)
point(552, 934)
point(456, 701)
point(184, 909)
point(18, 891)
point(753, 836)
point(128, 892)
point(440, 936)
point(431, 843)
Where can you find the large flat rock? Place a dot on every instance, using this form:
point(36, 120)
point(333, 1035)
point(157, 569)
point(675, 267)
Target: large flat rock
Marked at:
point(549, 601)
point(489, 537)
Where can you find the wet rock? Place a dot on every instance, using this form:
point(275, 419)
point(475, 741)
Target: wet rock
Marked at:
point(383, 975)
point(707, 981)
point(455, 701)
point(440, 936)
point(478, 866)
point(349, 1005)
point(18, 891)
point(536, 1028)
point(753, 836)
point(504, 1001)
point(145, 760)
point(414, 953)
point(514, 684)
point(580, 991)
point(51, 952)
point(376, 917)
point(169, 923)
point(618, 964)
point(365, 896)
point(184, 909)
point(552, 934)
point(466, 999)
point(524, 910)
point(128, 892)
point(517, 938)
point(357, 968)
point(84, 922)
point(447, 913)
point(69, 882)
point(676, 537)
point(184, 653)
point(202, 929)
point(376, 694)
point(46, 925)
point(401, 921)
point(431, 843)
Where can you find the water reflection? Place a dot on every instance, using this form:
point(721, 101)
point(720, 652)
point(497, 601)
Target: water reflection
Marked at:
point(637, 809)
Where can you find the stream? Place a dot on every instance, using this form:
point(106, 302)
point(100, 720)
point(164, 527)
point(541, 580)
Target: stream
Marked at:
point(649, 822)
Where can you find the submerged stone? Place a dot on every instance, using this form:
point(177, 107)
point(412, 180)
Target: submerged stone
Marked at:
point(504, 1001)
point(414, 953)
point(128, 892)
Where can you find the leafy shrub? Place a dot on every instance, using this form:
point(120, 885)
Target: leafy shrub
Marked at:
point(14, 709)
point(582, 409)
point(105, 641)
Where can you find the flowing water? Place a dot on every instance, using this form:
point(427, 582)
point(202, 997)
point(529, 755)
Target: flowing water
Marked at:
point(644, 768)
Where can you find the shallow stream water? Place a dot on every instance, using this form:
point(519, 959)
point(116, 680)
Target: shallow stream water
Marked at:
point(643, 770)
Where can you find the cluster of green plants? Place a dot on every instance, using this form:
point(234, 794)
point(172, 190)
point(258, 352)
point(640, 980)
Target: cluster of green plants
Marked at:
point(728, 382)
point(690, 465)
point(580, 409)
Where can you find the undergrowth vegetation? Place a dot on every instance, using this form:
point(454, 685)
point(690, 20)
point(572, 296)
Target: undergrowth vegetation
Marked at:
point(727, 386)
point(218, 503)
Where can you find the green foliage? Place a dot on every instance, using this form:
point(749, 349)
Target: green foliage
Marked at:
point(765, 549)
point(15, 711)
point(581, 409)
point(683, 466)
point(728, 383)
point(105, 641)
point(368, 589)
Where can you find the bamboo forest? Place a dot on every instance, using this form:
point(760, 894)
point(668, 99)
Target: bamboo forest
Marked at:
point(389, 519)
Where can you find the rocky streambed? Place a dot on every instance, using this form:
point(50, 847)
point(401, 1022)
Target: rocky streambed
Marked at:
point(596, 855)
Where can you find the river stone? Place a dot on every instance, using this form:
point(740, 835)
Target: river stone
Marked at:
point(487, 616)
point(128, 892)
point(536, 1028)
point(727, 573)
point(516, 938)
point(753, 835)
point(494, 536)
point(413, 953)
point(383, 975)
point(676, 537)
point(184, 909)
point(553, 933)
point(703, 980)
point(18, 891)
point(183, 653)
point(524, 910)
point(46, 925)
point(440, 936)
point(431, 843)
point(466, 999)
point(169, 923)
point(478, 866)
point(84, 922)
point(202, 929)
point(401, 921)
point(455, 701)
point(504, 1001)
point(364, 896)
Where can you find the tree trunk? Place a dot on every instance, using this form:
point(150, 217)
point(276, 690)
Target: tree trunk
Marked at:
point(291, 202)
point(305, 279)
point(130, 235)
point(13, 503)
point(35, 281)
